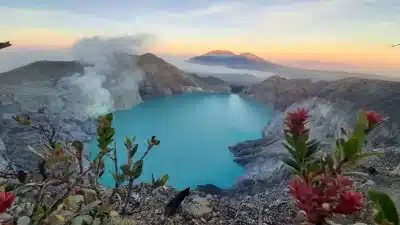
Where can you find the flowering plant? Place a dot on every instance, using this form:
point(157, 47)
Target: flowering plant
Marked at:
point(6, 200)
point(321, 187)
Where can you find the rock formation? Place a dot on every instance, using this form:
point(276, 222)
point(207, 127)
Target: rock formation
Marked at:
point(332, 105)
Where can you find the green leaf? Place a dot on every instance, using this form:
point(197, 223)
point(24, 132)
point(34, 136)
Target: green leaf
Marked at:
point(159, 182)
point(312, 148)
point(125, 169)
point(137, 169)
point(134, 150)
point(303, 138)
point(354, 173)
point(340, 142)
point(11, 187)
point(42, 210)
point(290, 150)
point(368, 154)
point(58, 146)
point(291, 163)
point(351, 148)
point(133, 172)
point(109, 117)
point(164, 179)
point(386, 208)
point(288, 137)
point(338, 153)
point(361, 126)
point(22, 120)
point(313, 167)
point(119, 178)
point(127, 139)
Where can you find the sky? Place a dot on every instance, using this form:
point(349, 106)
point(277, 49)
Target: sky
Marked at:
point(341, 32)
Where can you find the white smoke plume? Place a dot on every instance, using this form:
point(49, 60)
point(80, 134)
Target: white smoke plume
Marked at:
point(111, 78)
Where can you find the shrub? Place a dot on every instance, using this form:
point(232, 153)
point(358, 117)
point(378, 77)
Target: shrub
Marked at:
point(68, 188)
point(321, 186)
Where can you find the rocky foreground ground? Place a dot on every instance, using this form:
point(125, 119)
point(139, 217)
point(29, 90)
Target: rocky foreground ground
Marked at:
point(255, 200)
point(266, 206)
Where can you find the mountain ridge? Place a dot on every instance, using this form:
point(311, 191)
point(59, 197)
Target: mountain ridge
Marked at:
point(252, 62)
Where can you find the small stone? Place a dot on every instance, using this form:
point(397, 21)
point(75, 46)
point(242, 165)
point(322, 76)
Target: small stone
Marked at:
point(203, 220)
point(300, 217)
point(113, 213)
point(80, 219)
point(96, 221)
point(89, 194)
point(209, 197)
point(54, 218)
point(136, 197)
point(395, 171)
point(23, 220)
point(5, 218)
point(74, 201)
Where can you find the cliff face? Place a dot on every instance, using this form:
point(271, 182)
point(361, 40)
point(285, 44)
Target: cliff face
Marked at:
point(362, 93)
point(332, 105)
point(279, 92)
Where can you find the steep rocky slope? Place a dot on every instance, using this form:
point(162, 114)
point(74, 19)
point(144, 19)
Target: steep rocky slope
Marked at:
point(162, 78)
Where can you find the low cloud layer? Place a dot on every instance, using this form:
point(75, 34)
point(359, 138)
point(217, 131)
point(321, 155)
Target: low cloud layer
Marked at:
point(182, 64)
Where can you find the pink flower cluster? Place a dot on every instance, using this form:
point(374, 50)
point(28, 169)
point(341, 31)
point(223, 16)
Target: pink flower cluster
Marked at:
point(325, 197)
point(295, 121)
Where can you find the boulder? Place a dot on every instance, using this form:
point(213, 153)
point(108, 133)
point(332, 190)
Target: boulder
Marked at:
point(198, 207)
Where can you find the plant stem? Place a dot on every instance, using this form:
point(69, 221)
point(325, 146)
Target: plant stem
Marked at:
point(61, 198)
point(115, 159)
point(130, 187)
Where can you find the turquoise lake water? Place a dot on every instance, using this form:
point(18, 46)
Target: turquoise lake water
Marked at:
point(195, 131)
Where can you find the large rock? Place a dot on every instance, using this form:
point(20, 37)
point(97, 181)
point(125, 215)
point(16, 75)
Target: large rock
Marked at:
point(198, 207)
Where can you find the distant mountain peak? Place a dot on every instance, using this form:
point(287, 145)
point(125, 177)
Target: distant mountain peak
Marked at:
point(219, 52)
point(252, 57)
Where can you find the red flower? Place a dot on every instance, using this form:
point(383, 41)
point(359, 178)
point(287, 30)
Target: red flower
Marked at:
point(373, 118)
point(76, 191)
point(325, 197)
point(59, 153)
point(350, 202)
point(296, 120)
point(6, 200)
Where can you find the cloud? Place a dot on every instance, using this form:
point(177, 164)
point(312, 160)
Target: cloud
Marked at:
point(80, 25)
